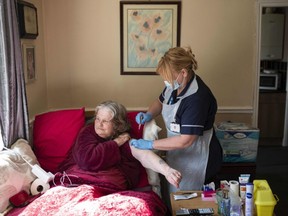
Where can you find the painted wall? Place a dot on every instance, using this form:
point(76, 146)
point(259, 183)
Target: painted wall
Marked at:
point(37, 91)
point(78, 55)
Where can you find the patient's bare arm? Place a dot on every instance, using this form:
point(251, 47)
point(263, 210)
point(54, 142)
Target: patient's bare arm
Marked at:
point(152, 161)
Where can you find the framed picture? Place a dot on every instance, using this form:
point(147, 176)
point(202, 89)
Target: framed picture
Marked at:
point(29, 62)
point(28, 23)
point(147, 31)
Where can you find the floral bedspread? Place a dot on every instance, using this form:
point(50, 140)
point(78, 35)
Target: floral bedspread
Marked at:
point(92, 200)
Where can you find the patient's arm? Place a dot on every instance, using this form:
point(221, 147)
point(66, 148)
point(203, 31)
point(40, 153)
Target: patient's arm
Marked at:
point(152, 161)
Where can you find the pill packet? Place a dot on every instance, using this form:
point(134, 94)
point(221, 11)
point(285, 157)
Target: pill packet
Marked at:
point(185, 196)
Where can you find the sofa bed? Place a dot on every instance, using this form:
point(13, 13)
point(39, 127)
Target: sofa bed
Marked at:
point(53, 135)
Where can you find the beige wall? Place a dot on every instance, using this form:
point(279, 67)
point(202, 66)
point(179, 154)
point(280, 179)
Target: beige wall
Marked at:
point(81, 59)
point(37, 90)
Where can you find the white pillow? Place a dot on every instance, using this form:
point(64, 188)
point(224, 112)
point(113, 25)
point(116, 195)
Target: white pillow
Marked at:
point(15, 173)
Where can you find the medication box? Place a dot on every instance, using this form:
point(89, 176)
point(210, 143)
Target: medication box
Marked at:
point(238, 140)
point(263, 198)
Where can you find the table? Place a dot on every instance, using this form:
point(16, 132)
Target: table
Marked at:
point(191, 203)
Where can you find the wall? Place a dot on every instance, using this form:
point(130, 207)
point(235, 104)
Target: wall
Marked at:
point(82, 55)
point(37, 91)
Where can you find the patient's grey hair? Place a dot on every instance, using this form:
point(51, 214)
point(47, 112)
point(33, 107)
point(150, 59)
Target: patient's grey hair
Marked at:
point(119, 116)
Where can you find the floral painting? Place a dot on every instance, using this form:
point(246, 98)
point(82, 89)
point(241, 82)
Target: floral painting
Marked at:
point(149, 30)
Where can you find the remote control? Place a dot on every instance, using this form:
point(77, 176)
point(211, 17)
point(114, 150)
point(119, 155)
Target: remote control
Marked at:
point(195, 212)
point(182, 212)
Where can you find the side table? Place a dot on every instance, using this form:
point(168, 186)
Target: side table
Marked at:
point(196, 202)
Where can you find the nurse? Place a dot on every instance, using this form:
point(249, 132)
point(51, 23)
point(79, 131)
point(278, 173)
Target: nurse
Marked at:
point(188, 108)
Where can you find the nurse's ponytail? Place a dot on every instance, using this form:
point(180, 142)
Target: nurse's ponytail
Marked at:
point(194, 64)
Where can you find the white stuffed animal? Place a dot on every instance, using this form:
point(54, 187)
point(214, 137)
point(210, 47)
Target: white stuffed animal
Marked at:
point(150, 132)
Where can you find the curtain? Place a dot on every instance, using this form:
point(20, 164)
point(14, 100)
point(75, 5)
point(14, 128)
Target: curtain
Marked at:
point(13, 103)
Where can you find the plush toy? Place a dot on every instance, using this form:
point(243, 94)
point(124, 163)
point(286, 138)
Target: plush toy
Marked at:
point(15, 172)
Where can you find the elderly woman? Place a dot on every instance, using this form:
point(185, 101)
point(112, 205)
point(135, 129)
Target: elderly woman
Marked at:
point(102, 154)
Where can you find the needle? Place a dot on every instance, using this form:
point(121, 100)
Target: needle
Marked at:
point(141, 118)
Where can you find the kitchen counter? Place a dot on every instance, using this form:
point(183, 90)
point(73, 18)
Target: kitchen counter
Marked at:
point(272, 91)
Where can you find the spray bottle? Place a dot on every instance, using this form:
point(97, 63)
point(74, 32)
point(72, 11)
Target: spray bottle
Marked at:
point(249, 200)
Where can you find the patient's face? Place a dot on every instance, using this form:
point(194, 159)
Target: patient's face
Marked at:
point(103, 123)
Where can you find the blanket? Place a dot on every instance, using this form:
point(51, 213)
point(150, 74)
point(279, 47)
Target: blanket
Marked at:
point(93, 200)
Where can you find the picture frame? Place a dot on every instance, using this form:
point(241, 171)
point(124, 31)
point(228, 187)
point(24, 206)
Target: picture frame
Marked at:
point(27, 19)
point(29, 62)
point(147, 30)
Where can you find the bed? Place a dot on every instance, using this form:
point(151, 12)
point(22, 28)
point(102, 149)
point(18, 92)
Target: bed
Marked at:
point(53, 135)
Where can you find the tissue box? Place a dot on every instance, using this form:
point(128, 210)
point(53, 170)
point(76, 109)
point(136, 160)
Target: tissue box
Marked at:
point(238, 140)
point(263, 198)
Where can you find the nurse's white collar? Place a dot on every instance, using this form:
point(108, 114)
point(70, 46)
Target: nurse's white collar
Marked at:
point(189, 85)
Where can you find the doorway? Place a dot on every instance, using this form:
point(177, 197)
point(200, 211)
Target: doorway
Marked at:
point(272, 107)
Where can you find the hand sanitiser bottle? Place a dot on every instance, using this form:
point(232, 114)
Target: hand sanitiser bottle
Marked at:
point(249, 200)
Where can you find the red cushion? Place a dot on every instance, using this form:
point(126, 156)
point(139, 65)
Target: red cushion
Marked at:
point(53, 135)
point(143, 179)
point(135, 131)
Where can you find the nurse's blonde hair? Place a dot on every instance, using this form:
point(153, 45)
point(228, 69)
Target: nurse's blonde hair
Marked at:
point(176, 59)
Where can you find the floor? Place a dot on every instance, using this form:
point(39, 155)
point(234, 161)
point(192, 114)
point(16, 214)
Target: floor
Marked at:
point(272, 165)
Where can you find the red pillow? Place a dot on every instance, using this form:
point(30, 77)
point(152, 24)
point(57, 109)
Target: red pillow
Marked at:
point(53, 135)
point(135, 132)
point(143, 179)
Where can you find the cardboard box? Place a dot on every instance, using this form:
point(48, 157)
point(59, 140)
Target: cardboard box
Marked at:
point(238, 140)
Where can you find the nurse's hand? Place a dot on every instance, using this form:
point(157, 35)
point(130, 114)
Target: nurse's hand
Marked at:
point(142, 144)
point(141, 117)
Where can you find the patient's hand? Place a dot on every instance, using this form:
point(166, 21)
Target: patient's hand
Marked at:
point(122, 138)
point(173, 177)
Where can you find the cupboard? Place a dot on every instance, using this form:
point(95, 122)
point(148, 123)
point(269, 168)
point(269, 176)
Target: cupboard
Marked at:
point(271, 114)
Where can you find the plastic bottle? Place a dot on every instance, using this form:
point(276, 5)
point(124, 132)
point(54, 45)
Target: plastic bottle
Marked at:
point(235, 208)
point(226, 203)
point(249, 200)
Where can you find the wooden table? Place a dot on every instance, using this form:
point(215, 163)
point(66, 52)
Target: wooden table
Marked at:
point(191, 203)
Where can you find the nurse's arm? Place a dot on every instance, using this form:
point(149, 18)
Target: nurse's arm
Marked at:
point(152, 161)
point(175, 142)
point(155, 108)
